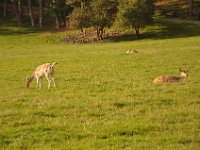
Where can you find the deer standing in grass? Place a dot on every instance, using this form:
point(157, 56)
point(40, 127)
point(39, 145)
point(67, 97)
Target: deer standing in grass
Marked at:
point(46, 70)
point(171, 79)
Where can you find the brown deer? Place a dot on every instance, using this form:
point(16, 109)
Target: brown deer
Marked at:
point(46, 70)
point(171, 79)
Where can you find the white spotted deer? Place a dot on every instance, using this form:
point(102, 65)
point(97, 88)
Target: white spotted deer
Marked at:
point(171, 79)
point(46, 70)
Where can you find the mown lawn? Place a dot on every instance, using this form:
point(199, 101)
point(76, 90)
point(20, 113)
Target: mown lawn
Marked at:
point(105, 98)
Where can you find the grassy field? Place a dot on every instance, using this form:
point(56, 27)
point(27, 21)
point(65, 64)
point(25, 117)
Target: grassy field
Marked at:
point(104, 99)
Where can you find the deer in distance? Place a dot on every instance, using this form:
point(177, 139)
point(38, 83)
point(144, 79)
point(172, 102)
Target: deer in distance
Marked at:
point(46, 70)
point(171, 79)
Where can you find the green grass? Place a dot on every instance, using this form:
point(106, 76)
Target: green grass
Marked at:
point(104, 99)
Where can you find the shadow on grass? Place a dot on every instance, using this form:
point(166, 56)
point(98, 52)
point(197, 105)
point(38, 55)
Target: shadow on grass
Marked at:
point(162, 29)
point(11, 31)
point(9, 27)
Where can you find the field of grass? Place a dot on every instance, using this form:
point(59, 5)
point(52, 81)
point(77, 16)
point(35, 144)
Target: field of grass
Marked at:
point(104, 99)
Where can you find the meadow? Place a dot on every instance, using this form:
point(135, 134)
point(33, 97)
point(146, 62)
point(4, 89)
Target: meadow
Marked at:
point(105, 98)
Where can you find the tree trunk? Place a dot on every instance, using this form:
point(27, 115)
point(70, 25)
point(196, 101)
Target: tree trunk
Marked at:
point(137, 31)
point(56, 15)
point(63, 19)
point(41, 13)
point(163, 11)
point(199, 16)
point(19, 17)
point(31, 12)
point(57, 20)
point(101, 34)
point(190, 8)
point(98, 34)
point(18, 10)
point(5, 8)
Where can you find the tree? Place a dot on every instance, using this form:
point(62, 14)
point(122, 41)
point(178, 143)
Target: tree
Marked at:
point(103, 15)
point(64, 9)
point(81, 15)
point(55, 10)
point(40, 13)
point(5, 8)
point(96, 13)
point(190, 8)
point(60, 9)
point(18, 11)
point(135, 13)
point(31, 12)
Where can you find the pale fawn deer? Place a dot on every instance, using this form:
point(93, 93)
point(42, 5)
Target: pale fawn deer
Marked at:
point(171, 79)
point(46, 70)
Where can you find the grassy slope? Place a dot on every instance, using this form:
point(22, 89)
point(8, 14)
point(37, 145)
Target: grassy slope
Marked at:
point(104, 98)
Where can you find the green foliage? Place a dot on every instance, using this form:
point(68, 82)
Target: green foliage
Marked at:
point(81, 15)
point(135, 13)
point(103, 13)
point(78, 2)
point(62, 7)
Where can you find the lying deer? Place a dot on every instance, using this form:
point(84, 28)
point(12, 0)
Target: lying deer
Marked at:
point(171, 79)
point(46, 70)
point(131, 51)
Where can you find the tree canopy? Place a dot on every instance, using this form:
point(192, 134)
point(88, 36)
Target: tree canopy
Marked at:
point(135, 13)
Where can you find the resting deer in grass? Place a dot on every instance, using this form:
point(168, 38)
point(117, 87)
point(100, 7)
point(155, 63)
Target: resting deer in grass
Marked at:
point(171, 79)
point(46, 70)
point(131, 52)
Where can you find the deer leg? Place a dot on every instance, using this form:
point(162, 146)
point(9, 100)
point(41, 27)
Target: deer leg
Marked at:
point(53, 81)
point(49, 84)
point(49, 80)
point(37, 82)
point(40, 83)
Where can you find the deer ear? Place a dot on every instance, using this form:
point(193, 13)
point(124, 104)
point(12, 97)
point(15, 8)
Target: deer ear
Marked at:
point(180, 69)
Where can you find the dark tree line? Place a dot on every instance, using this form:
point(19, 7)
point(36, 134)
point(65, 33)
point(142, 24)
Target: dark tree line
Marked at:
point(81, 14)
point(82, 10)
point(36, 10)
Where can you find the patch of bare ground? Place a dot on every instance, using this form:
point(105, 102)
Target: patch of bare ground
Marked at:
point(91, 37)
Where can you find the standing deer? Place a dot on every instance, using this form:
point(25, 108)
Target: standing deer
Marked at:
point(171, 79)
point(46, 70)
